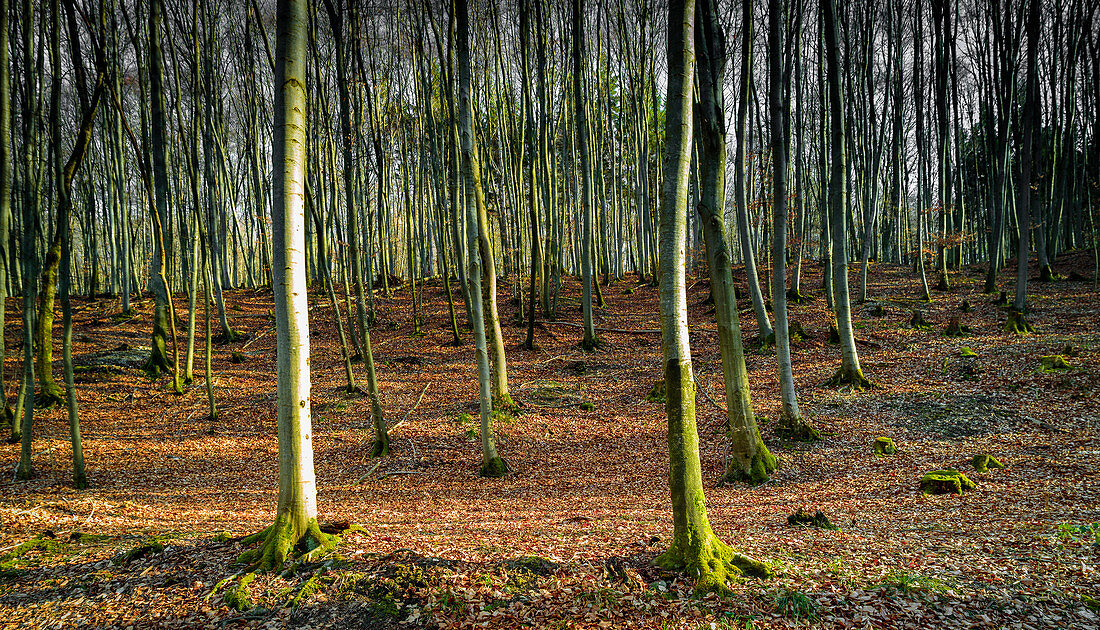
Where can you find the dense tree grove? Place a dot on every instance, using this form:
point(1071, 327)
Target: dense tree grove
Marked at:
point(161, 146)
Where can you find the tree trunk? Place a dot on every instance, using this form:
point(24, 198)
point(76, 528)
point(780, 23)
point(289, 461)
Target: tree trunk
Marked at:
point(491, 464)
point(296, 516)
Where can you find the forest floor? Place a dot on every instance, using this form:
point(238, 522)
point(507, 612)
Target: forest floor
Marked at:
point(566, 539)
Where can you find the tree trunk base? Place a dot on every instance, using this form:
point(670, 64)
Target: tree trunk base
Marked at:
point(853, 378)
point(494, 468)
point(758, 470)
point(503, 402)
point(278, 543)
point(592, 345)
point(710, 561)
point(1017, 324)
point(796, 429)
point(51, 396)
point(1046, 274)
point(944, 284)
point(380, 447)
point(797, 297)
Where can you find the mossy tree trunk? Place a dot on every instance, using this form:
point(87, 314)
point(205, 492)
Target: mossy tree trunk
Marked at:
point(296, 517)
point(694, 549)
point(849, 372)
point(491, 463)
point(1023, 183)
point(749, 458)
point(50, 393)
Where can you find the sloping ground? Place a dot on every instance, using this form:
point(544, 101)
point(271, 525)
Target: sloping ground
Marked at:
point(589, 490)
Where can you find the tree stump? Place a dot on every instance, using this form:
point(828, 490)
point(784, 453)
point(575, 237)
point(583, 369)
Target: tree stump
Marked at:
point(982, 463)
point(884, 446)
point(1017, 324)
point(948, 481)
point(918, 322)
point(805, 519)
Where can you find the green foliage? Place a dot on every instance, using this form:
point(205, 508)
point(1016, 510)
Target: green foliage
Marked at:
point(149, 547)
point(1090, 532)
point(795, 605)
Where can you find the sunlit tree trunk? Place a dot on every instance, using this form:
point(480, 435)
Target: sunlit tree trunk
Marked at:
point(749, 459)
point(740, 193)
point(491, 463)
point(296, 516)
point(695, 549)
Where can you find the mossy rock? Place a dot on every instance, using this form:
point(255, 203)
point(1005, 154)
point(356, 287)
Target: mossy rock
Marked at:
point(657, 393)
point(1069, 350)
point(1052, 363)
point(587, 406)
point(982, 462)
point(948, 481)
point(805, 519)
point(628, 291)
point(967, 352)
point(884, 446)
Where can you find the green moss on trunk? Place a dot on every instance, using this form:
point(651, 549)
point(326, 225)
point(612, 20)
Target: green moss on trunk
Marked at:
point(280, 541)
point(709, 561)
point(495, 467)
point(796, 429)
point(756, 471)
point(851, 377)
point(1017, 324)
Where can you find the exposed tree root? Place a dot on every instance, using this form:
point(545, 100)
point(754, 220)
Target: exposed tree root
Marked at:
point(495, 467)
point(853, 378)
point(710, 561)
point(49, 398)
point(593, 346)
point(279, 542)
point(795, 297)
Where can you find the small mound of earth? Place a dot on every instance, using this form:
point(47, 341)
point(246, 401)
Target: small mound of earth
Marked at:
point(950, 416)
point(125, 356)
